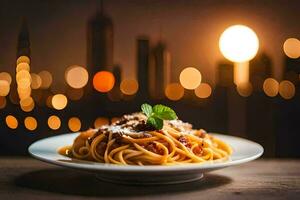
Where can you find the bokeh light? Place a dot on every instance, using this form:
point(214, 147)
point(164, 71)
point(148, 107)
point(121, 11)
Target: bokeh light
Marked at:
point(286, 89)
point(203, 90)
point(190, 78)
point(23, 81)
point(75, 94)
point(28, 108)
point(103, 81)
point(26, 101)
point(23, 59)
point(54, 122)
point(271, 87)
point(23, 74)
point(30, 123)
point(239, 43)
point(4, 88)
point(11, 122)
point(2, 102)
point(46, 79)
point(245, 89)
point(74, 124)
point(76, 76)
point(100, 121)
point(129, 86)
point(291, 48)
point(174, 91)
point(59, 101)
point(5, 77)
point(23, 66)
point(24, 92)
point(36, 81)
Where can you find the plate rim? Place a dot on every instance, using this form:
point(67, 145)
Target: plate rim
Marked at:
point(95, 166)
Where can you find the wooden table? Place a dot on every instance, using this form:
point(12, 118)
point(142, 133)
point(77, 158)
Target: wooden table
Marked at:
point(26, 178)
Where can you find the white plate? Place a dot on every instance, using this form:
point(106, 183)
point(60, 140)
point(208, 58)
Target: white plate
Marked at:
point(46, 150)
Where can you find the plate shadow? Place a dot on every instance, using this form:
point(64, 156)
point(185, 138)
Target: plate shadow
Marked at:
point(72, 182)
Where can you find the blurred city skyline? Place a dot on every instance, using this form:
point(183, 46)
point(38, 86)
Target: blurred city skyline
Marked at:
point(195, 45)
point(55, 66)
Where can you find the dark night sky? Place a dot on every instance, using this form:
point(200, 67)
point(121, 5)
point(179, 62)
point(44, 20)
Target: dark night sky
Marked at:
point(190, 28)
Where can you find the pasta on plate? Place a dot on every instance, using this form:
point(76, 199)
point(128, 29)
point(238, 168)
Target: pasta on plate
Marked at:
point(131, 141)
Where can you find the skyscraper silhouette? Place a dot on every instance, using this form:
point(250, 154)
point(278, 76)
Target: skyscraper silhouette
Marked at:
point(115, 93)
point(99, 42)
point(23, 46)
point(143, 53)
point(161, 69)
point(260, 69)
point(225, 74)
point(291, 70)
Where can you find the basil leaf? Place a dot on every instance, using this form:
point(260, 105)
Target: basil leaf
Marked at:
point(164, 112)
point(155, 122)
point(147, 109)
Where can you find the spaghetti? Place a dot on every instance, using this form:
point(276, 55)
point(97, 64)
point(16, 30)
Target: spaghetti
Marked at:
point(131, 141)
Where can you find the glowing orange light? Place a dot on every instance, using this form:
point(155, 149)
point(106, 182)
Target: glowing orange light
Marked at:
point(54, 122)
point(5, 77)
point(30, 123)
point(291, 48)
point(2, 102)
point(23, 59)
point(239, 43)
point(245, 89)
point(74, 124)
point(203, 91)
point(24, 92)
point(23, 74)
point(23, 66)
point(190, 78)
point(174, 91)
point(100, 121)
point(129, 86)
point(36, 81)
point(46, 79)
point(76, 76)
point(59, 101)
point(75, 94)
point(286, 89)
point(103, 81)
point(28, 108)
point(26, 101)
point(271, 87)
point(11, 122)
point(24, 83)
point(4, 88)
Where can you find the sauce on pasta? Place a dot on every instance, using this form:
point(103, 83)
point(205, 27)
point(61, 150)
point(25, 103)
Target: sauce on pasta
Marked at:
point(131, 141)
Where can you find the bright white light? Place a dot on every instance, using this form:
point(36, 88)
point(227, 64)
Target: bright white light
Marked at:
point(239, 43)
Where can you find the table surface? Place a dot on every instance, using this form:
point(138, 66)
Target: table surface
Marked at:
point(26, 178)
